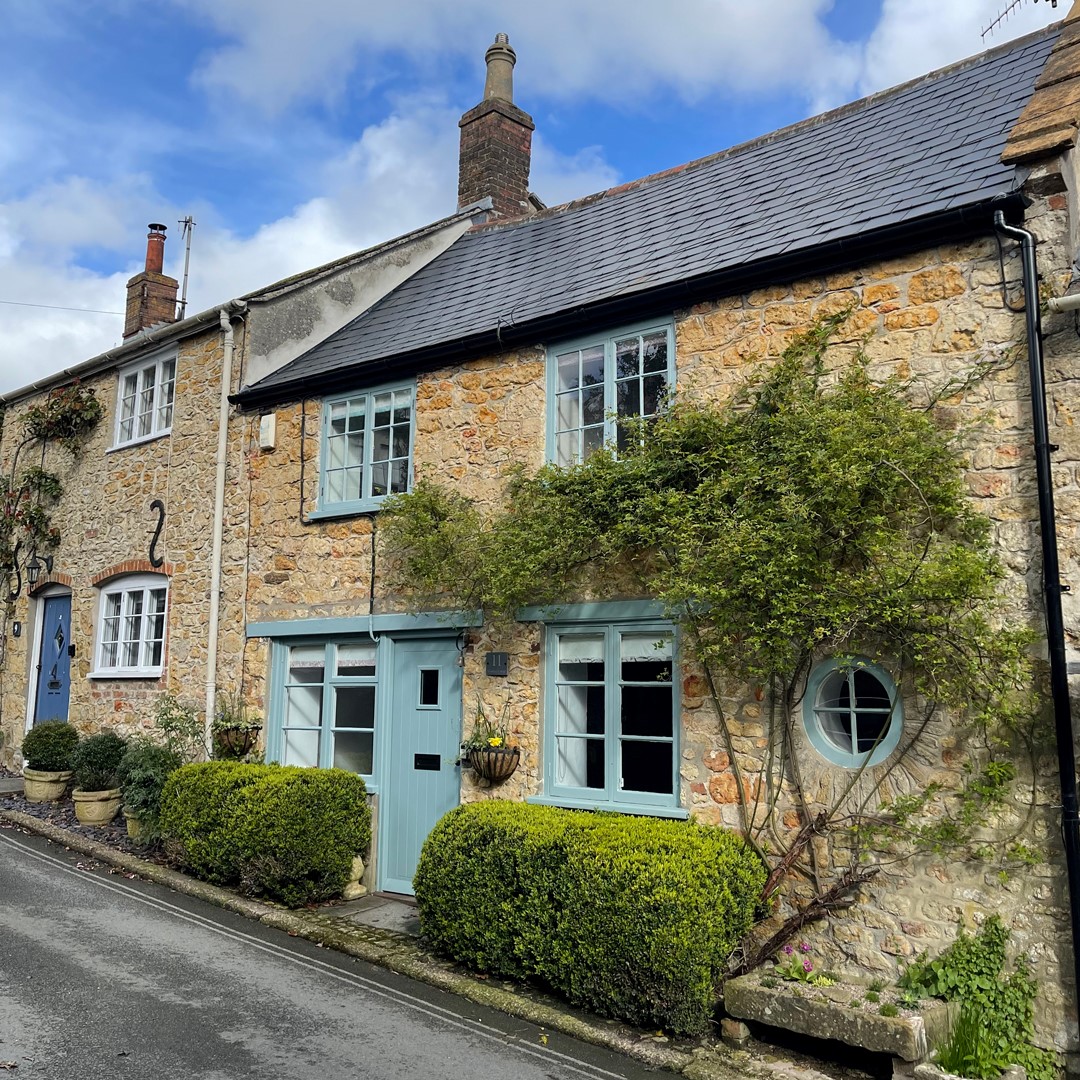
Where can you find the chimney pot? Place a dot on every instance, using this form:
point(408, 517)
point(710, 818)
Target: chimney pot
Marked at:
point(155, 248)
point(151, 296)
point(500, 59)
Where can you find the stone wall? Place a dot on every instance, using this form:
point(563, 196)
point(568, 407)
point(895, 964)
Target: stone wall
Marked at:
point(106, 526)
point(937, 317)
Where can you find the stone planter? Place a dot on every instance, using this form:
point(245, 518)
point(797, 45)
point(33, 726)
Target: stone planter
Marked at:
point(96, 807)
point(134, 824)
point(41, 786)
point(495, 763)
point(908, 1038)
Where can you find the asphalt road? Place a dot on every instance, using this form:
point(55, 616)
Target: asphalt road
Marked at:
point(103, 977)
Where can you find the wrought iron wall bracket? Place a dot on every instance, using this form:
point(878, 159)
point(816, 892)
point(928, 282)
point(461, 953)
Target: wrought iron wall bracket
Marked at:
point(155, 559)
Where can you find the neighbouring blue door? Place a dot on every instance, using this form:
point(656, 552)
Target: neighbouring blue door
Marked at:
point(54, 661)
point(423, 782)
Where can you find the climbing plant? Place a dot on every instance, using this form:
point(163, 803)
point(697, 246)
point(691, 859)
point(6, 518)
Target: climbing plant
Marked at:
point(29, 492)
point(815, 513)
point(67, 416)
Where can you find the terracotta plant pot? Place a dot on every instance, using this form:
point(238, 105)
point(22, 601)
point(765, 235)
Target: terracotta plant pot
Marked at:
point(42, 786)
point(495, 763)
point(96, 807)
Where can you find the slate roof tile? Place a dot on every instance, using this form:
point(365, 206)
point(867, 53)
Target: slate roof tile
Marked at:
point(931, 145)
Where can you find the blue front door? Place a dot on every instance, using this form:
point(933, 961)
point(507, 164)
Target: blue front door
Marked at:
point(423, 782)
point(54, 661)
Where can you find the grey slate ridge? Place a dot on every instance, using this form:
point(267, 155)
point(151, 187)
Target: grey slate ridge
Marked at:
point(930, 146)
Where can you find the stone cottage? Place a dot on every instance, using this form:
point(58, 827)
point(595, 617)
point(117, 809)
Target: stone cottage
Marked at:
point(530, 337)
point(513, 334)
point(144, 591)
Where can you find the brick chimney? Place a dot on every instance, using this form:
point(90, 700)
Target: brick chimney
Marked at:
point(496, 140)
point(151, 295)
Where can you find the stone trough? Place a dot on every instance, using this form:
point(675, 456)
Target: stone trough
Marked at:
point(907, 1039)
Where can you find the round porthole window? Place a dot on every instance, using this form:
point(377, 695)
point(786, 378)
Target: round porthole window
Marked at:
point(852, 712)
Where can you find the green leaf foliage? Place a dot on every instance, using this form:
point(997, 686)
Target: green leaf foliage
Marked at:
point(96, 761)
point(142, 773)
point(809, 514)
point(281, 831)
point(197, 812)
point(49, 746)
point(996, 1024)
point(631, 917)
point(815, 513)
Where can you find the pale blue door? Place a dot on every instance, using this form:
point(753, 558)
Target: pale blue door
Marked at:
point(54, 661)
point(423, 782)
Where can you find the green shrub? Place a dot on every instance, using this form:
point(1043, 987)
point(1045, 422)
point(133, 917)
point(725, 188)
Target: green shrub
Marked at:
point(197, 806)
point(289, 833)
point(631, 917)
point(49, 746)
point(143, 770)
point(96, 761)
point(298, 831)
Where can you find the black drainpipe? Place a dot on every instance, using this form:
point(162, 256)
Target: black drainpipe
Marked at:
point(1052, 587)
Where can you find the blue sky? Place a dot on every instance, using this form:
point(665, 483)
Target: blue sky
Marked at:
point(296, 133)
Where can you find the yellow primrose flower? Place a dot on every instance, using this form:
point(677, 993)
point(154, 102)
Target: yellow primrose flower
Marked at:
point(494, 741)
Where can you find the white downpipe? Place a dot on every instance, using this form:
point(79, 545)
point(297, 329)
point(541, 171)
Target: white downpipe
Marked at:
point(218, 527)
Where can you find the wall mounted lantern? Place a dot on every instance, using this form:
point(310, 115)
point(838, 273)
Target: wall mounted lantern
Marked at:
point(33, 568)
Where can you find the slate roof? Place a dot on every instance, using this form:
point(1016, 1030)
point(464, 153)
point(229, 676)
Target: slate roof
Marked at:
point(923, 152)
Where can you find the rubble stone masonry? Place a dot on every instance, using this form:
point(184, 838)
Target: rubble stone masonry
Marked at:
point(936, 316)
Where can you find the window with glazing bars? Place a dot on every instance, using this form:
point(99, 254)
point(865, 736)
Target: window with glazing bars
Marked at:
point(328, 718)
point(131, 631)
point(596, 387)
point(367, 447)
point(145, 400)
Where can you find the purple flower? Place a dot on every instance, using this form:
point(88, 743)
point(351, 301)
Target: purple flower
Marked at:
point(788, 950)
point(807, 966)
point(803, 947)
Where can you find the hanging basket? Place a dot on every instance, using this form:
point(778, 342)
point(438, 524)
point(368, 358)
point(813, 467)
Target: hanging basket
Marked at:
point(495, 763)
point(236, 741)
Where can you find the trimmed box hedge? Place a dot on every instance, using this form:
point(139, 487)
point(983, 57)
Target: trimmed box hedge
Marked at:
point(631, 917)
point(282, 831)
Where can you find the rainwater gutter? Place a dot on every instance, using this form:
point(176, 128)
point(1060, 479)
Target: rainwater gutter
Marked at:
point(228, 346)
point(1052, 587)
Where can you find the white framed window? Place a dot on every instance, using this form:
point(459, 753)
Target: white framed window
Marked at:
point(611, 708)
point(597, 384)
point(327, 710)
point(131, 627)
point(366, 448)
point(144, 400)
point(852, 712)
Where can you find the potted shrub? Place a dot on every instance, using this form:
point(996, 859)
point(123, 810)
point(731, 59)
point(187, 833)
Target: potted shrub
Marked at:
point(235, 728)
point(142, 773)
point(47, 751)
point(488, 749)
point(96, 762)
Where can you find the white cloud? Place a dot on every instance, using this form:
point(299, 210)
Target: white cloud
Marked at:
point(917, 36)
point(77, 186)
point(279, 52)
point(397, 176)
